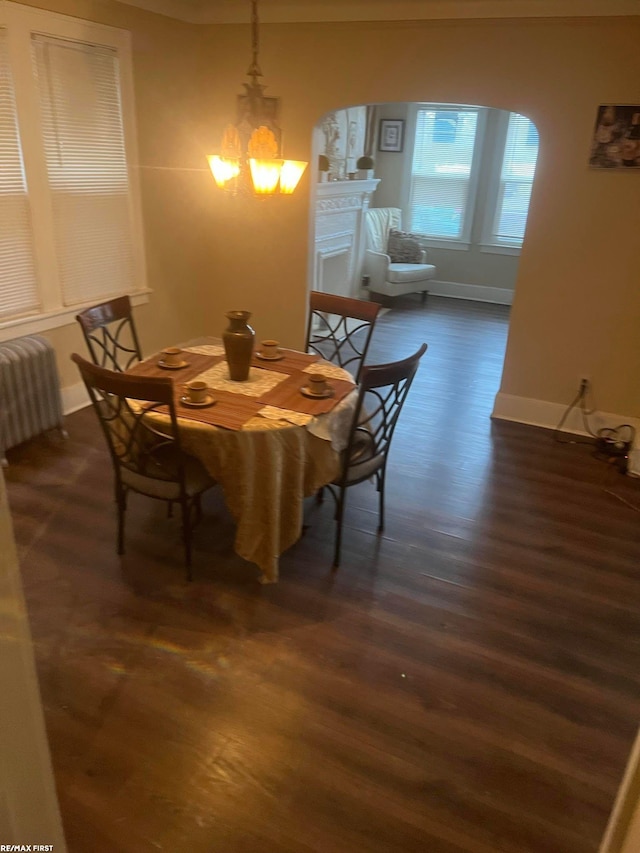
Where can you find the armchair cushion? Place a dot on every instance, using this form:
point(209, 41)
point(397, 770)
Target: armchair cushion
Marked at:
point(406, 273)
point(404, 247)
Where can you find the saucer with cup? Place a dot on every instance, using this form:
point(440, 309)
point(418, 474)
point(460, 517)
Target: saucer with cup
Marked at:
point(317, 386)
point(270, 351)
point(197, 394)
point(171, 358)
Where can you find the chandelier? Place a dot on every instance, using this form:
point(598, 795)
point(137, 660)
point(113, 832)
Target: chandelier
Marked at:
point(250, 159)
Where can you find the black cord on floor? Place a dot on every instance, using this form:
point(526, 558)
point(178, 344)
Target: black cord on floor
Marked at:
point(611, 444)
point(578, 400)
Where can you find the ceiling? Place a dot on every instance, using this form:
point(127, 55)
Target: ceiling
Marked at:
point(289, 11)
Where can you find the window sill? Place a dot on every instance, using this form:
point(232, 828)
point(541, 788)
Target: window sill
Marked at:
point(498, 249)
point(454, 245)
point(36, 323)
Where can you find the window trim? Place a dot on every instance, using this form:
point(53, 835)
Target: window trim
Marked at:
point(499, 249)
point(20, 23)
point(442, 243)
point(56, 319)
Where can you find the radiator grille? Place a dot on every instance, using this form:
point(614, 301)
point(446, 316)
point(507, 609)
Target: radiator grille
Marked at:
point(30, 400)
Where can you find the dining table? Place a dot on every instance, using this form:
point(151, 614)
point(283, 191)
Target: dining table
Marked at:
point(265, 440)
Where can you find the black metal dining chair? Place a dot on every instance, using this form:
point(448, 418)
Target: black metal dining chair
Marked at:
point(110, 332)
point(147, 458)
point(382, 393)
point(339, 329)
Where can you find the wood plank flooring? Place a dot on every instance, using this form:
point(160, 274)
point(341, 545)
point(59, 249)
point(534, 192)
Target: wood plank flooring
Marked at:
point(469, 682)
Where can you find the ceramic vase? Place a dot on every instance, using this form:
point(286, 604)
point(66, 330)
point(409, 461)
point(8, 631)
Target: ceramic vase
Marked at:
point(238, 340)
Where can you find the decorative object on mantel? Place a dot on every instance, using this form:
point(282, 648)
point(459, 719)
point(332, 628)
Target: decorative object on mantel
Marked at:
point(331, 130)
point(323, 168)
point(250, 159)
point(365, 167)
point(238, 340)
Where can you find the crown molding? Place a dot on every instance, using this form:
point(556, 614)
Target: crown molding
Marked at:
point(317, 11)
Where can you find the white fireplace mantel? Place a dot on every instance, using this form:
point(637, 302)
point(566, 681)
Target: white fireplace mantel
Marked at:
point(339, 235)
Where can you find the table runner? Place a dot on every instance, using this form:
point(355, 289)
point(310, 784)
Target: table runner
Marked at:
point(286, 395)
point(292, 362)
point(233, 409)
point(196, 363)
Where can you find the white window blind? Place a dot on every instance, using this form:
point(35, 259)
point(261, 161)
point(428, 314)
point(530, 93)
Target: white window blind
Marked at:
point(516, 180)
point(78, 87)
point(17, 271)
point(441, 171)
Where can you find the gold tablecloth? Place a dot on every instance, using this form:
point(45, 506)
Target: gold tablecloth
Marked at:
point(265, 470)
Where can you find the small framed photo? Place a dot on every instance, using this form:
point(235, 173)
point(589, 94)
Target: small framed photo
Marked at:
point(391, 136)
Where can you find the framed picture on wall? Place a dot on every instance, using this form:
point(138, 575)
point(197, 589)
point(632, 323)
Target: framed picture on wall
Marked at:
point(391, 135)
point(616, 137)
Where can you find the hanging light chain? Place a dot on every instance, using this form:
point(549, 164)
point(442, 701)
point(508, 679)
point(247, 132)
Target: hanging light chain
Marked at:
point(254, 69)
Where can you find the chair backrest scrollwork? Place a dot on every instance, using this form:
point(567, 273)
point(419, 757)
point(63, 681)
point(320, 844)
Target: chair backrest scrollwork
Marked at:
point(383, 391)
point(110, 333)
point(340, 328)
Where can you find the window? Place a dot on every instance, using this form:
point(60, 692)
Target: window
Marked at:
point(70, 232)
point(441, 172)
point(471, 176)
point(17, 272)
point(516, 180)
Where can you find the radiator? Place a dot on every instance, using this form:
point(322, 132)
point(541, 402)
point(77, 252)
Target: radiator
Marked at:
point(30, 400)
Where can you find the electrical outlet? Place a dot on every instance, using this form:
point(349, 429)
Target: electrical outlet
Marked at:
point(585, 382)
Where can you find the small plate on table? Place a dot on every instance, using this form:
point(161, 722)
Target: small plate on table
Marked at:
point(209, 400)
point(307, 392)
point(178, 366)
point(275, 357)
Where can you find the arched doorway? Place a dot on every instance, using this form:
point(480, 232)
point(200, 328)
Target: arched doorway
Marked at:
point(461, 175)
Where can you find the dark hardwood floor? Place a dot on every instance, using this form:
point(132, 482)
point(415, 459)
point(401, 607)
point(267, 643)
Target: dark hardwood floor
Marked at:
point(469, 682)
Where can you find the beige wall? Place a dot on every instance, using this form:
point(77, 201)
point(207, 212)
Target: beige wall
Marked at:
point(576, 307)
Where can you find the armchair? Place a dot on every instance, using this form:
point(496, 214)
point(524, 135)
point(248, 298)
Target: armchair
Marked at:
point(395, 262)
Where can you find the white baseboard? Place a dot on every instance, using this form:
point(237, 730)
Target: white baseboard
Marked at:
point(477, 292)
point(458, 290)
point(540, 413)
point(74, 397)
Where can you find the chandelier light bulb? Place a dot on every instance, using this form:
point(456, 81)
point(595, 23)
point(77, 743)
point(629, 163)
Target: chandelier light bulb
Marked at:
point(290, 174)
point(224, 170)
